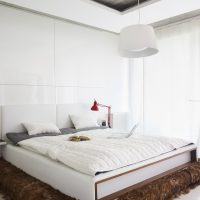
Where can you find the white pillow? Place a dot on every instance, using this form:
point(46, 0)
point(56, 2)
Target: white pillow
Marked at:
point(83, 121)
point(35, 128)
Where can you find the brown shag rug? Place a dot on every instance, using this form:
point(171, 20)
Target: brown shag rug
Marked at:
point(17, 185)
point(168, 187)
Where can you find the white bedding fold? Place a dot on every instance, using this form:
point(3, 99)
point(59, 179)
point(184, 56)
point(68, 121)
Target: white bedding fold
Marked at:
point(101, 154)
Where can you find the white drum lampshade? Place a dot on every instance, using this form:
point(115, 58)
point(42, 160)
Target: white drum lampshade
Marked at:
point(137, 41)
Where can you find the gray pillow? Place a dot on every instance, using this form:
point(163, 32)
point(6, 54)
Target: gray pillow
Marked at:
point(73, 130)
point(18, 137)
point(67, 130)
point(91, 128)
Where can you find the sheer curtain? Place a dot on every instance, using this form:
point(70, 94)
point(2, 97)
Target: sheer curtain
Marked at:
point(170, 83)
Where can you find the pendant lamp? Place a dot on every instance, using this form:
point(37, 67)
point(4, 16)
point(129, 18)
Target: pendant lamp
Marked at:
point(137, 40)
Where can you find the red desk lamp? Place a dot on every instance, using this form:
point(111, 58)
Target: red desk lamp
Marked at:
point(96, 108)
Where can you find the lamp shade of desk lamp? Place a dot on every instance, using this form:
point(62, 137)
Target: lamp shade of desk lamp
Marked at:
point(95, 107)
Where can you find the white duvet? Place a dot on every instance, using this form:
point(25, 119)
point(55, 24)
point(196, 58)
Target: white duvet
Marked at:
point(104, 152)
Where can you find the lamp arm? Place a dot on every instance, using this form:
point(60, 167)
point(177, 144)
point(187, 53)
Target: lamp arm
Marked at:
point(101, 105)
point(109, 112)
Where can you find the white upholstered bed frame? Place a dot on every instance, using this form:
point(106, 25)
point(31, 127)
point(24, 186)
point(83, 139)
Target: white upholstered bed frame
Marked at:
point(71, 182)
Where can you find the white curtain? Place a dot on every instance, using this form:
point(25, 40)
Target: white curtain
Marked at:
point(136, 94)
point(170, 83)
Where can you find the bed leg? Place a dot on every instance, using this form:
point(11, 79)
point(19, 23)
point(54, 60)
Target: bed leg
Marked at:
point(193, 155)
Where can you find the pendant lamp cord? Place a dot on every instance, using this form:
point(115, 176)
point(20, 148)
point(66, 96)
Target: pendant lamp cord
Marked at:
point(139, 15)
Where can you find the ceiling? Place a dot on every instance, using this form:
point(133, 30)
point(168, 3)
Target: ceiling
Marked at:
point(93, 14)
point(120, 5)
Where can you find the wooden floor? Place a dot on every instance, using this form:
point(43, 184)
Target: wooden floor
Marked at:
point(193, 195)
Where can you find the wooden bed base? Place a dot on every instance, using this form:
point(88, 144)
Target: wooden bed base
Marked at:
point(193, 158)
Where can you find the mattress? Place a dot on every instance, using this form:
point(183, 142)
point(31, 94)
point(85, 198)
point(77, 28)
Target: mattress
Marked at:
point(102, 153)
point(13, 153)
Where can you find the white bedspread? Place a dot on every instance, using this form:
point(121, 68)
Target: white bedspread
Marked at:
point(102, 153)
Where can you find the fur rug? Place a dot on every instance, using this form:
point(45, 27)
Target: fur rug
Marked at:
point(3, 196)
point(21, 186)
point(168, 187)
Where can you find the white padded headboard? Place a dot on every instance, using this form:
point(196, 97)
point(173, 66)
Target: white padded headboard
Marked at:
point(14, 115)
point(64, 110)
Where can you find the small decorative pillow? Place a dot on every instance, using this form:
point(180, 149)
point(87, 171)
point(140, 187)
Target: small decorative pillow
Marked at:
point(83, 121)
point(36, 128)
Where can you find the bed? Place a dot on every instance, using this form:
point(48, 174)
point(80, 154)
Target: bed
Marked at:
point(72, 182)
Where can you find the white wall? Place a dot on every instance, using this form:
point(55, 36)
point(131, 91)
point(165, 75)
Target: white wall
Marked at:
point(45, 60)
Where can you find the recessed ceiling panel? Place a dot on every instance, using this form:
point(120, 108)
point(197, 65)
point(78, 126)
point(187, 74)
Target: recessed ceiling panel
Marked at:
point(120, 5)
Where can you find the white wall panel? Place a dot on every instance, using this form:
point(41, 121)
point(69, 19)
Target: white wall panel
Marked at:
point(116, 90)
point(65, 95)
point(67, 60)
point(26, 48)
point(18, 94)
point(87, 95)
point(89, 60)
point(48, 61)
point(79, 55)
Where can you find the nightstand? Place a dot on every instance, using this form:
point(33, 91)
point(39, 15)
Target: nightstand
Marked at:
point(2, 143)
